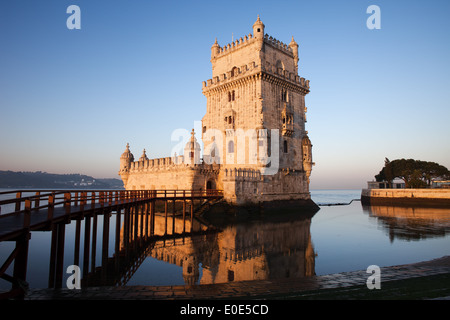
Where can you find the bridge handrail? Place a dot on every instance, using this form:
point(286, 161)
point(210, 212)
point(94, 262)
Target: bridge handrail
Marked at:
point(95, 197)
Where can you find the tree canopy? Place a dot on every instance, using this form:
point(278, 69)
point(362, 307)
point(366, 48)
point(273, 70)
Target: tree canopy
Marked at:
point(415, 173)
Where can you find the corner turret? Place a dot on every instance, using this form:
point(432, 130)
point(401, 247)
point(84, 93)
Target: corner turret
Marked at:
point(215, 50)
point(258, 29)
point(294, 46)
point(258, 33)
point(192, 151)
point(125, 164)
point(126, 159)
point(307, 156)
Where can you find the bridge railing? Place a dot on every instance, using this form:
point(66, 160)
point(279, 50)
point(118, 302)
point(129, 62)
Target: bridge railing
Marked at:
point(20, 201)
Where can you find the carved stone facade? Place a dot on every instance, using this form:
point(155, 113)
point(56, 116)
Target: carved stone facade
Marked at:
point(256, 148)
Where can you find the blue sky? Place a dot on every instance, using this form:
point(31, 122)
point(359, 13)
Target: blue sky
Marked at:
point(70, 100)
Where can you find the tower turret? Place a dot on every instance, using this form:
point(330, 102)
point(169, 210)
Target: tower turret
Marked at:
point(192, 151)
point(307, 156)
point(258, 33)
point(144, 156)
point(126, 159)
point(258, 29)
point(125, 164)
point(294, 46)
point(215, 49)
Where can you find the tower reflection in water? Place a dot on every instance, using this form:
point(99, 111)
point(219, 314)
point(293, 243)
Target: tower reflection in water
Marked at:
point(248, 251)
point(279, 247)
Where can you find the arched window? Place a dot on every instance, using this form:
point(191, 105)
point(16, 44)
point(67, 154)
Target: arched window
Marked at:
point(285, 146)
point(231, 146)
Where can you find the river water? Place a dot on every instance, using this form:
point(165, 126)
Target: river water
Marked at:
point(337, 238)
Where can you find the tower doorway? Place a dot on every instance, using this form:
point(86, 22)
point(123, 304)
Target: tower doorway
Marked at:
point(210, 185)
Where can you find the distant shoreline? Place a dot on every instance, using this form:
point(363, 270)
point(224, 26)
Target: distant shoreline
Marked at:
point(44, 180)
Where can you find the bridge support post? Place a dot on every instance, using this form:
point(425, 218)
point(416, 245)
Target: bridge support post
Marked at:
point(105, 240)
point(87, 240)
point(165, 217)
point(76, 258)
point(136, 223)
point(184, 214)
point(173, 216)
point(192, 215)
point(152, 217)
point(20, 264)
point(57, 256)
point(118, 226)
point(94, 241)
point(126, 228)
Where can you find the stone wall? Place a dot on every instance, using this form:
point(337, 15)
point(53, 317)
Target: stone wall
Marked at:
point(406, 197)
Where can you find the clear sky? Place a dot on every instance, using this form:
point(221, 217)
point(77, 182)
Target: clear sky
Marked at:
point(70, 100)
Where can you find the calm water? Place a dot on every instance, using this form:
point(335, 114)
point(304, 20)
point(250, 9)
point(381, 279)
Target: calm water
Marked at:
point(335, 239)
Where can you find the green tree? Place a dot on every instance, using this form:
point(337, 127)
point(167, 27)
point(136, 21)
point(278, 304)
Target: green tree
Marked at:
point(415, 173)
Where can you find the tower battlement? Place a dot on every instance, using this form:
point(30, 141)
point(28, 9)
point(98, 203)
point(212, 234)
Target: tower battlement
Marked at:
point(279, 45)
point(238, 73)
point(232, 46)
point(240, 43)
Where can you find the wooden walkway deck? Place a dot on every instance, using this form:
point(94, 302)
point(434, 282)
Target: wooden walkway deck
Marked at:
point(51, 210)
point(40, 211)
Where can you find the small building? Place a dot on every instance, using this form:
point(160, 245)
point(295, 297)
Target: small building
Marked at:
point(441, 184)
point(396, 184)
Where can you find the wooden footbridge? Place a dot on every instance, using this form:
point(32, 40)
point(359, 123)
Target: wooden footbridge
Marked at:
point(26, 211)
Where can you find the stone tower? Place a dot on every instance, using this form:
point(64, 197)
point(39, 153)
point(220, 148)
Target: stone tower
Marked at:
point(254, 124)
point(255, 146)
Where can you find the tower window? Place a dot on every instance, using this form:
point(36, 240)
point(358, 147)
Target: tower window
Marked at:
point(259, 30)
point(231, 96)
point(285, 146)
